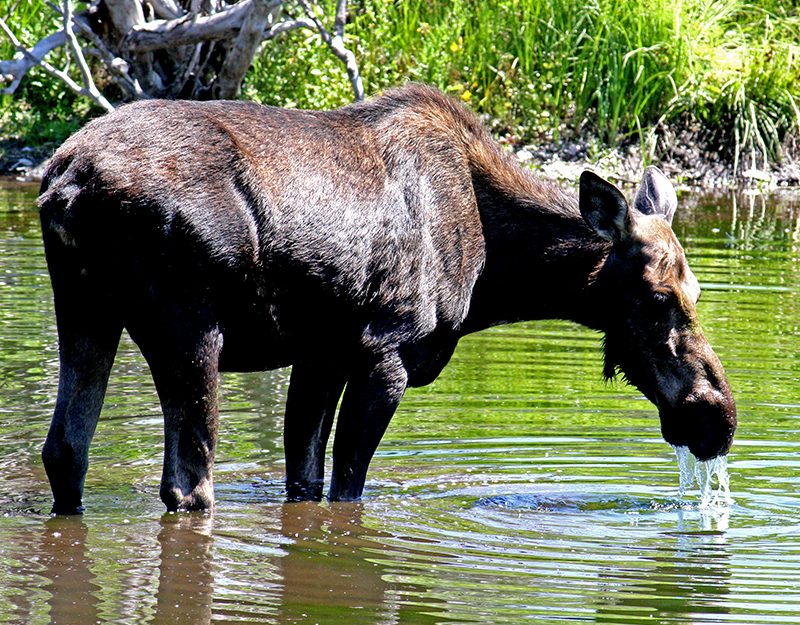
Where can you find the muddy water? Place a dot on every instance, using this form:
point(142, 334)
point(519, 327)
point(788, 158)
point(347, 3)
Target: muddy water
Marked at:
point(517, 488)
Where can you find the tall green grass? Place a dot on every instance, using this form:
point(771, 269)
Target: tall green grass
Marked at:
point(615, 70)
point(536, 63)
point(741, 76)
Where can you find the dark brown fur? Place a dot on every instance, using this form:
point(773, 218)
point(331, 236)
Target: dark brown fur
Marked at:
point(357, 245)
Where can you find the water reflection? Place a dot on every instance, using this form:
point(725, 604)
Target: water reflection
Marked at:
point(335, 566)
point(325, 569)
point(338, 569)
point(667, 587)
point(71, 585)
point(592, 530)
point(331, 568)
point(683, 578)
point(185, 571)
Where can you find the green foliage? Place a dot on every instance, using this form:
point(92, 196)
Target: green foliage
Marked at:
point(613, 68)
point(298, 71)
point(534, 64)
point(742, 74)
point(29, 20)
point(42, 110)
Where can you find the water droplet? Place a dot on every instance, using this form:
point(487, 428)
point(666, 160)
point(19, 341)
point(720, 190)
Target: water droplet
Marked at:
point(704, 473)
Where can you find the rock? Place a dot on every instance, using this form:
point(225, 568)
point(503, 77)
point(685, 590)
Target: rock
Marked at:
point(757, 174)
point(524, 156)
point(21, 163)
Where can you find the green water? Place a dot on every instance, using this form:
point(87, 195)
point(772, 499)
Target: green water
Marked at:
point(517, 488)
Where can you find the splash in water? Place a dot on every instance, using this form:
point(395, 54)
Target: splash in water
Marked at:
point(704, 472)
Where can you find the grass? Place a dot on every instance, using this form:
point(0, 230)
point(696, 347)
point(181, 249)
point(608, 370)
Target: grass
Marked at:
point(615, 70)
point(743, 78)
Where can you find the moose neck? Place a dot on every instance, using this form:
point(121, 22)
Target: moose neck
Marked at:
point(540, 254)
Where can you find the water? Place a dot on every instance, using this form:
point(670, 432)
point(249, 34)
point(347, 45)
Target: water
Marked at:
point(517, 488)
point(704, 473)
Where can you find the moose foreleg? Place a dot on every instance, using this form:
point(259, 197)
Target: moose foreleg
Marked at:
point(187, 385)
point(369, 403)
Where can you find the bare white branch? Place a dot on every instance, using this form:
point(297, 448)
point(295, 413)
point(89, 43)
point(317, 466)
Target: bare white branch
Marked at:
point(125, 14)
point(16, 69)
point(185, 39)
point(188, 30)
point(89, 88)
point(239, 58)
point(118, 67)
point(336, 43)
point(344, 54)
point(166, 9)
point(284, 26)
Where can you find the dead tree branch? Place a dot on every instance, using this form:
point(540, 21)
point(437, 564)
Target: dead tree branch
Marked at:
point(187, 30)
point(336, 43)
point(260, 17)
point(16, 69)
point(89, 88)
point(63, 76)
point(118, 67)
point(170, 48)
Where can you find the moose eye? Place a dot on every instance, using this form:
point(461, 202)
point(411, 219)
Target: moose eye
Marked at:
point(663, 297)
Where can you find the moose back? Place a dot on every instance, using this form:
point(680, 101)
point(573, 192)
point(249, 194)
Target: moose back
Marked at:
point(356, 245)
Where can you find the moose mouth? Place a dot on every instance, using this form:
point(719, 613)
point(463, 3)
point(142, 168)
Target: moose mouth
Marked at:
point(705, 424)
point(700, 416)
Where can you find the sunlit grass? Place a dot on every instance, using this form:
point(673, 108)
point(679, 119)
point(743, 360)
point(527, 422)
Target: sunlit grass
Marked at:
point(612, 70)
point(740, 77)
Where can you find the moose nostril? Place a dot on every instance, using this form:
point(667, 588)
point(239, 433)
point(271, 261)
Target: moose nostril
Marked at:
point(714, 438)
point(704, 422)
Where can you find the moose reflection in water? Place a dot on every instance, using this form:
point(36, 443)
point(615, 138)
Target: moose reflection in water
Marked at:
point(357, 245)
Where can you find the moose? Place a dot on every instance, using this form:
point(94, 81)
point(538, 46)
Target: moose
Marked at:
point(357, 245)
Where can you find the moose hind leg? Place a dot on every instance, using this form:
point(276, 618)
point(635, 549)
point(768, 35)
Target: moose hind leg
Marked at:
point(86, 352)
point(369, 403)
point(310, 407)
point(185, 368)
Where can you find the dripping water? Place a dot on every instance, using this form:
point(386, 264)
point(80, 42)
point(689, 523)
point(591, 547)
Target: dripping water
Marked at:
point(703, 473)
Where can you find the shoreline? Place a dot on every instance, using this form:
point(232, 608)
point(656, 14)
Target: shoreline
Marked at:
point(691, 167)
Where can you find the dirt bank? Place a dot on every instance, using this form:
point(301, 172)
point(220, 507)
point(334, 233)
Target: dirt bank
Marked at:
point(23, 161)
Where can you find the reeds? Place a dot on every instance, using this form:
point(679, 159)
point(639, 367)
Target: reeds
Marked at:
point(741, 77)
point(615, 69)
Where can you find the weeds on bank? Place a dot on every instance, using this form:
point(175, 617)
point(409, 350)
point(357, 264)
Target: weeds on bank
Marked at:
point(616, 70)
point(740, 77)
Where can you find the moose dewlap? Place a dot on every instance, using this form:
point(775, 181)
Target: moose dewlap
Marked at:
point(356, 245)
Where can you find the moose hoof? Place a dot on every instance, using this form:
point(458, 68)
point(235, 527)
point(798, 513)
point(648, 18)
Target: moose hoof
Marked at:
point(66, 509)
point(201, 497)
point(304, 491)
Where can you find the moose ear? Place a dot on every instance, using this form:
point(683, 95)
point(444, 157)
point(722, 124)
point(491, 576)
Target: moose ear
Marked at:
point(656, 195)
point(604, 208)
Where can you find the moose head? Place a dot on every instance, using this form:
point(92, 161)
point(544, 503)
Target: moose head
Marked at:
point(646, 296)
